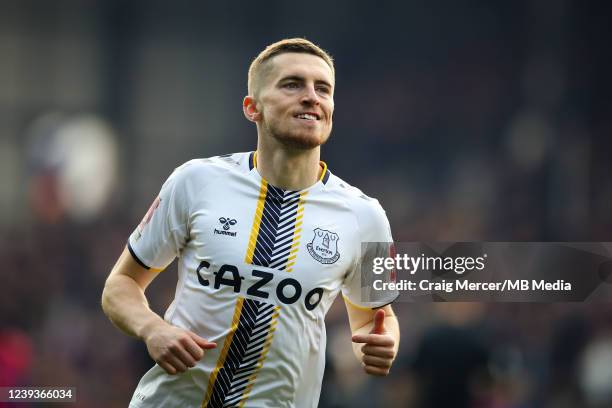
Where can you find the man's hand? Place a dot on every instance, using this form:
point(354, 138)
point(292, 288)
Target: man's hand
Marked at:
point(175, 349)
point(379, 347)
point(124, 302)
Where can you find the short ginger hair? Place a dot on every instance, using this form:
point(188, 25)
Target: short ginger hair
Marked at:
point(298, 45)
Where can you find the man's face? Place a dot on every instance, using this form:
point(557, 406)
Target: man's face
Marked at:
point(296, 100)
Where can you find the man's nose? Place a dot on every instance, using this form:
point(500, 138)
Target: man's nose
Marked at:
point(310, 96)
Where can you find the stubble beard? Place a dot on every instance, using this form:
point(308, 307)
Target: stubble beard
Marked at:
point(294, 138)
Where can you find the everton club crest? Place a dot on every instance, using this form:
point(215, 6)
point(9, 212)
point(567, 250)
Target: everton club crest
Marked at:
point(324, 246)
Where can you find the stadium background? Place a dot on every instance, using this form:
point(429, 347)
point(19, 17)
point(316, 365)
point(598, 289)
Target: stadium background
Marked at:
point(471, 120)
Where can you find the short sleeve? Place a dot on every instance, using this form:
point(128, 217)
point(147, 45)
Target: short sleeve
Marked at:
point(376, 241)
point(163, 232)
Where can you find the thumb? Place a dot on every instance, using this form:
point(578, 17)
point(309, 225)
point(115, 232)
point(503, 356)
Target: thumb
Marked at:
point(379, 322)
point(205, 344)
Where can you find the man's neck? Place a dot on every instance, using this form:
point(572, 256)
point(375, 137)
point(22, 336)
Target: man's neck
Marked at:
point(288, 169)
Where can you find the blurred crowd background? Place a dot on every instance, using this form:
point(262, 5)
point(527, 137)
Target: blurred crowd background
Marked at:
point(469, 120)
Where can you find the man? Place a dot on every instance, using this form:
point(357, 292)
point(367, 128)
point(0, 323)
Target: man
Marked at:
point(265, 240)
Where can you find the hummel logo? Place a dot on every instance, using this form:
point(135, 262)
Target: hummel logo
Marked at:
point(227, 223)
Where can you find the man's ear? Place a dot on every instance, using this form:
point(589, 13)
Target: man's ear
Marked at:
point(249, 108)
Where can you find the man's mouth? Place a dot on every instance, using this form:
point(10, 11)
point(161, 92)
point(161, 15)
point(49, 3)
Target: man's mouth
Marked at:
point(308, 116)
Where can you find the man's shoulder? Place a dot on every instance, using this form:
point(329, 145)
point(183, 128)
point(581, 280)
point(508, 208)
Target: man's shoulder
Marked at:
point(222, 162)
point(196, 174)
point(369, 215)
point(366, 208)
point(351, 193)
point(212, 166)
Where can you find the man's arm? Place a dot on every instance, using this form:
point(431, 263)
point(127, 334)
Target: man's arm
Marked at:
point(125, 304)
point(375, 337)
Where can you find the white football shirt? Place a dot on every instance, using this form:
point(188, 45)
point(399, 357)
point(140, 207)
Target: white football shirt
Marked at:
point(258, 269)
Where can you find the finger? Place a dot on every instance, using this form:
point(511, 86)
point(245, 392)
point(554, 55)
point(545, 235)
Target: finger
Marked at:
point(377, 361)
point(376, 351)
point(374, 339)
point(167, 367)
point(205, 344)
point(179, 351)
point(379, 322)
point(377, 371)
point(178, 365)
point(193, 349)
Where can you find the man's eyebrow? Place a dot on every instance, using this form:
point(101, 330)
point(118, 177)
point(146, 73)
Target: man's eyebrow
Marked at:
point(301, 79)
point(291, 78)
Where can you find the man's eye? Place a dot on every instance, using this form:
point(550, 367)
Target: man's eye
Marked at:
point(291, 85)
point(323, 89)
